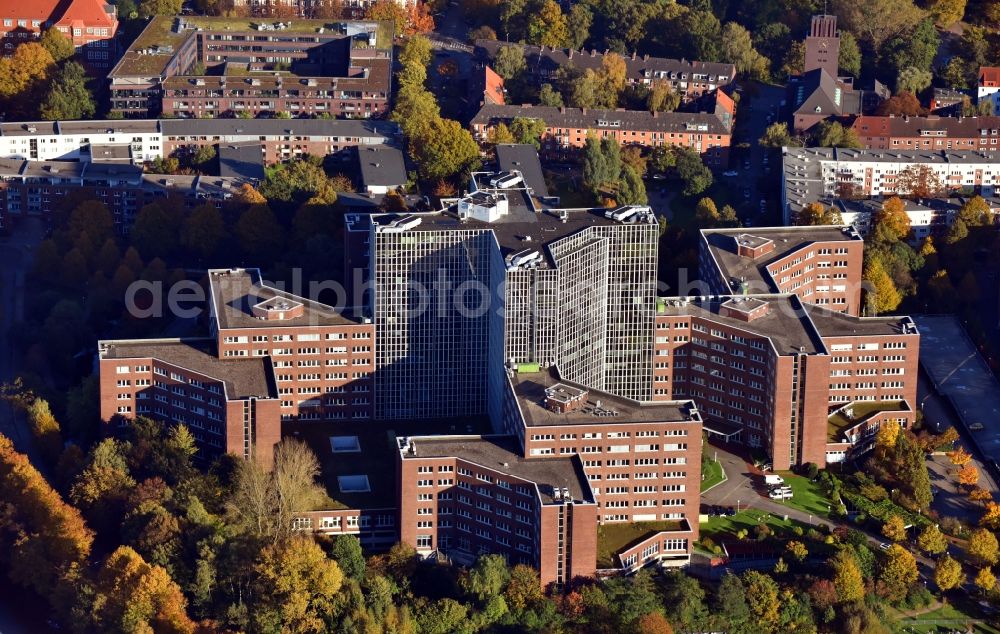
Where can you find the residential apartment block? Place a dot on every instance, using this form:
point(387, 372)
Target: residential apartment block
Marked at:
point(811, 174)
point(566, 129)
point(804, 383)
point(208, 67)
point(90, 24)
point(928, 217)
point(821, 265)
point(144, 140)
point(35, 188)
point(689, 79)
point(932, 133)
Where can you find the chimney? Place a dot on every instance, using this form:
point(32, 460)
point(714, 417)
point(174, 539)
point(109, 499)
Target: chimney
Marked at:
point(562, 109)
point(633, 56)
point(645, 57)
point(571, 51)
point(593, 52)
point(583, 111)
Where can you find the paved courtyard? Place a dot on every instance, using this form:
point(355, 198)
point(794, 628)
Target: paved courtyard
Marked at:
point(960, 374)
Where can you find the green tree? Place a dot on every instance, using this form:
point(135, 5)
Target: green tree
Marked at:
point(849, 59)
point(549, 96)
point(156, 231)
point(833, 134)
point(878, 21)
point(736, 47)
point(528, 130)
point(418, 51)
point(578, 23)
point(524, 589)
point(684, 599)
point(916, 49)
point(443, 616)
point(692, 171)
point(706, 213)
point(260, 236)
point(948, 574)
point(957, 232)
point(58, 45)
point(149, 8)
point(347, 553)
point(445, 149)
point(509, 62)
point(661, 98)
point(631, 188)
point(777, 135)
point(488, 577)
point(914, 80)
point(731, 603)
point(702, 34)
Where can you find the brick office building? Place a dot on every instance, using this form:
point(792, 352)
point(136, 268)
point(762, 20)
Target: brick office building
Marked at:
point(689, 79)
point(822, 265)
point(207, 67)
point(272, 355)
point(933, 133)
point(804, 383)
point(90, 25)
point(566, 129)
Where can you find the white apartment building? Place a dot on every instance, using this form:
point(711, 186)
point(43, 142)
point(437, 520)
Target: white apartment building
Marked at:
point(812, 174)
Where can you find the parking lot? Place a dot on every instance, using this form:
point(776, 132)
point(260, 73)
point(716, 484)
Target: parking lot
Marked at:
point(961, 375)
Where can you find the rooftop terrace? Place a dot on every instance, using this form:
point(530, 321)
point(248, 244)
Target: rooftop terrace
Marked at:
point(856, 413)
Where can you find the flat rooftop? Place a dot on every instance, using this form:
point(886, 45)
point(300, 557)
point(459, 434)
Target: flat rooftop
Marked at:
point(523, 158)
point(242, 377)
point(833, 324)
point(785, 323)
point(857, 412)
point(241, 160)
point(502, 454)
point(598, 407)
point(160, 39)
point(236, 291)
point(523, 229)
point(722, 244)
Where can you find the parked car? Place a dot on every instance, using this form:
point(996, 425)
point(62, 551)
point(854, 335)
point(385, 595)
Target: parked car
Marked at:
point(746, 164)
point(731, 173)
point(780, 495)
point(977, 426)
point(884, 546)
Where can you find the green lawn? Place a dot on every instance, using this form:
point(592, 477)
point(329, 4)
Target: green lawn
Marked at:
point(808, 495)
point(717, 527)
point(947, 618)
point(612, 538)
point(712, 476)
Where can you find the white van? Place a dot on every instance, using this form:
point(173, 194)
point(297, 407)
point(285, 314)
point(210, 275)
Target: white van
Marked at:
point(773, 479)
point(780, 494)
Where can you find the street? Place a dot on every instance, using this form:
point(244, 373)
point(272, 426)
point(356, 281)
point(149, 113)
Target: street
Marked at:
point(759, 102)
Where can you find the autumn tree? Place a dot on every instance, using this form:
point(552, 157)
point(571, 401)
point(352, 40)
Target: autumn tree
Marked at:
point(653, 623)
point(296, 586)
point(547, 26)
point(985, 580)
point(976, 212)
point(981, 495)
point(959, 457)
point(134, 596)
point(847, 577)
point(389, 11)
point(894, 528)
point(45, 429)
point(149, 8)
point(878, 21)
point(898, 573)
point(968, 476)
point(24, 75)
point(44, 542)
point(818, 214)
point(777, 135)
point(947, 12)
point(932, 541)
point(797, 550)
point(891, 222)
point(762, 598)
point(982, 547)
point(881, 295)
point(919, 181)
point(901, 104)
point(523, 590)
point(834, 134)
point(204, 231)
point(948, 574)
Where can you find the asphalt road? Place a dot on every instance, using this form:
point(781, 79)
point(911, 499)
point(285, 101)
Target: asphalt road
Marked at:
point(759, 101)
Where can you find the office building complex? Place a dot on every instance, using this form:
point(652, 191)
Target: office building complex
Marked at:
point(213, 67)
point(821, 265)
point(689, 79)
point(811, 174)
point(804, 383)
point(566, 129)
point(90, 25)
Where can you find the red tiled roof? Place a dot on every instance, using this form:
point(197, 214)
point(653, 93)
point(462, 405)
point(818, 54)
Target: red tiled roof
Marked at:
point(989, 76)
point(27, 9)
point(89, 12)
point(494, 87)
point(725, 102)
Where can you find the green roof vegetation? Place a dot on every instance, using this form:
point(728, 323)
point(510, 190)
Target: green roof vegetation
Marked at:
point(612, 538)
point(860, 412)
